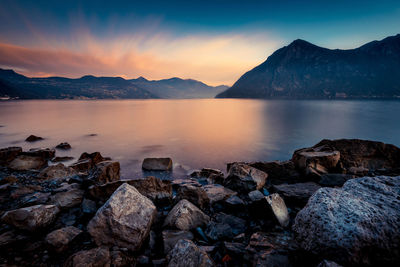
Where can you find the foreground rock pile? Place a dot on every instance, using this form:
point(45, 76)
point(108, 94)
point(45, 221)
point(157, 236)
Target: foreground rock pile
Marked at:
point(334, 204)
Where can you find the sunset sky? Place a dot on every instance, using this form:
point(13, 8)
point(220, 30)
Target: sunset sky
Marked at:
point(212, 41)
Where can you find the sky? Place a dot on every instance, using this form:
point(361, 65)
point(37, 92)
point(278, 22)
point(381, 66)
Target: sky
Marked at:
point(211, 41)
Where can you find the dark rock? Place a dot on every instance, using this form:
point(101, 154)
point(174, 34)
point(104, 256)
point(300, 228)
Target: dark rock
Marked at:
point(95, 157)
point(35, 199)
point(64, 146)
point(60, 239)
point(216, 192)
point(89, 206)
point(157, 164)
point(213, 176)
point(255, 196)
point(244, 178)
point(225, 226)
point(11, 237)
point(124, 220)
point(61, 159)
point(59, 172)
point(9, 153)
point(296, 194)
point(185, 216)
point(23, 163)
point(279, 209)
point(82, 165)
point(68, 199)
point(31, 218)
point(194, 194)
point(357, 224)
point(186, 253)
point(171, 237)
point(326, 263)
point(33, 138)
point(272, 258)
point(46, 153)
point(334, 179)
point(106, 171)
point(279, 172)
point(95, 257)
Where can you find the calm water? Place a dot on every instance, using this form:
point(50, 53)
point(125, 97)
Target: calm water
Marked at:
point(194, 133)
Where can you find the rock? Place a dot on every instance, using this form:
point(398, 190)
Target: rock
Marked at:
point(256, 196)
point(187, 254)
point(64, 146)
point(9, 153)
point(358, 224)
point(11, 237)
point(279, 172)
point(213, 176)
point(59, 172)
point(24, 163)
point(96, 257)
point(334, 179)
point(279, 209)
point(11, 179)
point(261, 241)
point(272, 258)
point(95, 157)
point(82, 165)
point(124, 220)
point(31, 218)
point(235, 201)
point(244, 178)
point(194, 194)
point(326, 263)
point(61, 159)
point(171, 237)
point(89, 206)
point(60, 239)
point(225, 226)
point(33, 138)
point(119, 259)
point(296, 194)
point(46, 153)
point(157, 164)
point(185, 216)
point(106, 171)
point(216, 192)
point(68, 199)
point(35, 199)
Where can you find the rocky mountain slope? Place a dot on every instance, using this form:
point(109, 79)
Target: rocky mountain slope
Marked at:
point(304, 70)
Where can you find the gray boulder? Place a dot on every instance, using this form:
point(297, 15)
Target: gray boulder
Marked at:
point(68, 199)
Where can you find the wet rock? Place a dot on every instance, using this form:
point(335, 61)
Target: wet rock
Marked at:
point(64, 146)
point(187, 254)
point(334, 179)
point(46, 153)
point(326, 263)
point(31, 218)
point(95, 257)
point(297, 194)
point(213, 176)
point(279, 172)
point(279, 209)
point(95, 157)
point(357, 224)
point(33, 138)
point(185, 216)
point(89, 206)
point(244, 178)
point(60, 239)
point(255, 196)
point(106, 171)
point(124, 220)
point(9, 153)
point(82, 165)
point(68, 199)
point(194, 194)
point(24, 163)
point(216, 192)
point(171, 237)
point(61, 159)
point(87, 161)
point(225, 226)
point(157, 164)
point(59, 172)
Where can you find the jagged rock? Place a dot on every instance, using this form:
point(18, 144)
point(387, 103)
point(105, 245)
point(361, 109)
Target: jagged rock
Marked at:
point(59, 171)
point(244, 178)
point(95, 157)
point(89, 206)
point(157, 164)
point(46, 153)
point(60, 238)
point(33, 138)
point(35, 199)
point(279, 172)
point(9, 153)
point(124, 220)
point(31, 218)
point(187, 254)
point(194, 194)
point(106, 171)
point(68, 199)
point(255, 196)
point(334, 179)
point(357, 224)
point(297, 194)
point(185, 216)
point(279, 209)
point(61, 159)
point(225, 226)
point(214, 176)
point(216, 192)
point(64, 146)
point(96, 257)
point(326, 263)
point(24, 163)
point(87, 161)
point(171, 237)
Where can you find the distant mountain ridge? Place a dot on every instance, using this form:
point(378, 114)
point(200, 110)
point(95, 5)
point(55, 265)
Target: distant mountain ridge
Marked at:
point(15, 85)
point(303, 70)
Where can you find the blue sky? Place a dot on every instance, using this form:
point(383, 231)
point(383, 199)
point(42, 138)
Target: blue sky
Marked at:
point(189, 39)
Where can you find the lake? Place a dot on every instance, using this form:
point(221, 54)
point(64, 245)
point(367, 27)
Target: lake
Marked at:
point(194, 133)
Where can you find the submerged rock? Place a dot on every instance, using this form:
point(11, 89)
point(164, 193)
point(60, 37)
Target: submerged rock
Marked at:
point(244, 178)
point(33, 138)
point(157, 164)
point(24, 163)
point(59, 239)
point(64, 146)
point(46, 153)
point(357, 224)
point(124, 220)
point(187, 254)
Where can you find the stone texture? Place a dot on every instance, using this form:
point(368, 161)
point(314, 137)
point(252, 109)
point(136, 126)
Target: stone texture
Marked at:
point(157, 164)
point(64, 146)
point(23, 163)
point(279, 209)
point(171, 237)
point(296, 194)
point(216, 192)
point(96, 257)
point(194, 194)
point(185, 216)
point(124, 220)
point(60, 238)
point(106, 171)
point(357, 224)
point(46, 153)
point(58, 171)
point(187, 254)
point(225, 226)
point(68, 199)
point(31, 218)
point(244, 178)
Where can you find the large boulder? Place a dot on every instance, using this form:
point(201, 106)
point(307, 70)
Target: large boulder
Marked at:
point(187, 254)
point(157, 164)
point(244, 178)
point(358, 224)
point(31, 218)
point(24, 163)
point(96, 257)
point(185, 216)
point(9, 153)
point(58, 171)
point(106, 171)
point(296, 194)
point(124, 220)
point(60, 239)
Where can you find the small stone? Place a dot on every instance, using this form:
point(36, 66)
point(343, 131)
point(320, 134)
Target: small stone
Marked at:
point(279, 209)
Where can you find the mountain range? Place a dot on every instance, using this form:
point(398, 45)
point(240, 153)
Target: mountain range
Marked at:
point(303, 70)
point(15, 85)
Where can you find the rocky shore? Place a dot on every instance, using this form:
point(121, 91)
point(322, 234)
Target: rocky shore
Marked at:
point(334, 204)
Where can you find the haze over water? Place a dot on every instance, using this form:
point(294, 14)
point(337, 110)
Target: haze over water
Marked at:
point(194, 133)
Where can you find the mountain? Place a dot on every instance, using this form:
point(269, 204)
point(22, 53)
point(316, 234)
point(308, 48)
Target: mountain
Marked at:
point(303, 70)
point(15, 85)
point(179, 88)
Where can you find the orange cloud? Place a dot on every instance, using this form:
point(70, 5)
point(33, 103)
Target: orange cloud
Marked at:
point(211, 59)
